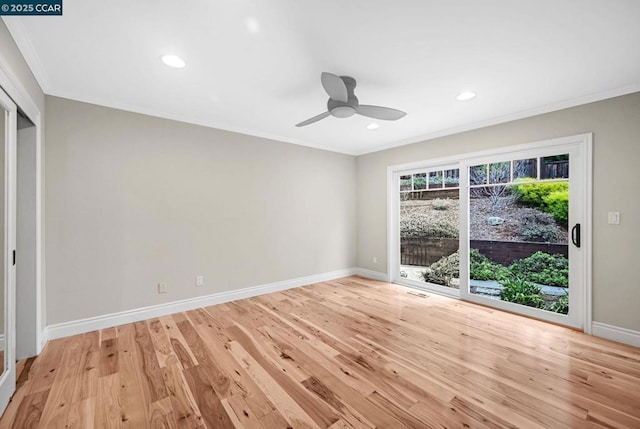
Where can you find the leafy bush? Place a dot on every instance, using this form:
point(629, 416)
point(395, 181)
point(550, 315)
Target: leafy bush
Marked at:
point(451, 181)
point(543, 268)
point(482, 268)
point(419, 182)
point(435, 179)
point(521, 292)
point(539, 227)
point(422, 225)
point(560, 306)
point(551, 197)
point(557, 203)
point(442, 271)
point(440, 204)
point(540, 233)
point(534, 193)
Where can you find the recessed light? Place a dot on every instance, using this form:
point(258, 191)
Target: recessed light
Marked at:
point(466, 96)
point(252, 24)
point(373, 126)
point(173, 61)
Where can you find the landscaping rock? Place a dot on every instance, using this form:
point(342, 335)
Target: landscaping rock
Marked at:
point(495, 220)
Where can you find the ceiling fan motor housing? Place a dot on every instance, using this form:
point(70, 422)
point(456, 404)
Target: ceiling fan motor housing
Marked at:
point(343, 110)
point(340, 109)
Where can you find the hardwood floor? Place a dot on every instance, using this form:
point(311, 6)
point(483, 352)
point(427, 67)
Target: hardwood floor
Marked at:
point(341, 354)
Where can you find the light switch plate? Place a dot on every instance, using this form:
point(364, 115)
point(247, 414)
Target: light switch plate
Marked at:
point(614, 218)
point(162, 287)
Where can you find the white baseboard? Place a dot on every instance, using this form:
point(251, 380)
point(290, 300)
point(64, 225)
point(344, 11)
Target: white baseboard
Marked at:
point(614, 333)
point(75, 327)
point(374, 275)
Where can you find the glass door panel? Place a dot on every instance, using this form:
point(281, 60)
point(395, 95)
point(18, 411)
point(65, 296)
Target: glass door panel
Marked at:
point(518, 233)
point(429, 219)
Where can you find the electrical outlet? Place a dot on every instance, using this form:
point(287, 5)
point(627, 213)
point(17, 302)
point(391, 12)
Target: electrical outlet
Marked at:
point(162, 287)
point(199, 280)
point(374, 259)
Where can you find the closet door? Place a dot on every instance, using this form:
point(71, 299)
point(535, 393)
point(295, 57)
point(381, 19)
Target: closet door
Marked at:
point(8, 130)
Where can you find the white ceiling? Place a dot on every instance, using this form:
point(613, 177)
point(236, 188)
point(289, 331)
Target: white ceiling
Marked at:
point(254, 66)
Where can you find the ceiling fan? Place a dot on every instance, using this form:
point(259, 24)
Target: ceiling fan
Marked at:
point(343, 103)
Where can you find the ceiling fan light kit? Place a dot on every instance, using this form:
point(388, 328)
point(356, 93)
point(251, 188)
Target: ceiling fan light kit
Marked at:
point(343, 103)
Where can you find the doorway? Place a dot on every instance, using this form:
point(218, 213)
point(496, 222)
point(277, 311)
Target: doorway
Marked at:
point(511, 230)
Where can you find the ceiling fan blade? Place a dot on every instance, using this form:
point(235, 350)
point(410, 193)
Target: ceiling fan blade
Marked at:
point(334, 86)
point(314, 119)
point(378, 112)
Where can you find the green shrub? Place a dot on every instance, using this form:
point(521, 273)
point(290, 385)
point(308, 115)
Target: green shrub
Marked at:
point(543, 268)
point(521, 292)
point(482, 268)
point(422, 225)
point(560, 306)
point(419, 182)
point(442, 271)
point(436, 179)
point(539, 227)
point(551, 197)
point(534, 193)
point(557, 203)
point(540, 233)
point(451, 181)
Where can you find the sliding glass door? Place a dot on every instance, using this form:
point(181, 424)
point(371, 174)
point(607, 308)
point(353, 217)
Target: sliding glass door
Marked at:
point(504, 229)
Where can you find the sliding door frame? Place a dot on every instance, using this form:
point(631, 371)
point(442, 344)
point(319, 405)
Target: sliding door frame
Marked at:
point(584, 198)
point(394, 233)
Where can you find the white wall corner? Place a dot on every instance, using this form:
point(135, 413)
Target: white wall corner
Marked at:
point(615, 333)
point(370, 274)
point(76, 327)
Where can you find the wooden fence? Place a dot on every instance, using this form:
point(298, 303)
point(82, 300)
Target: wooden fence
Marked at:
point(424, 251)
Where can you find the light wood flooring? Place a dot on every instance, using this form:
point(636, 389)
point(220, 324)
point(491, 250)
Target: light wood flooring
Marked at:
point(340, 354)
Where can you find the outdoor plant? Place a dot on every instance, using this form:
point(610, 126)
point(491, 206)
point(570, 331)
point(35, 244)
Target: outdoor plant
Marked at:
point(442, 271)
point(522, 292)
point(533, 193)
point(557, 203)
point(419, 182)
point(482, 268)
point(451, 181)
point(539, 233)
point(440, 204)
point(500, 196)
point(539, 227)
point(560, 306)
point(550, 197)
point(543, 268)
point(422, 225)
point(435, 179)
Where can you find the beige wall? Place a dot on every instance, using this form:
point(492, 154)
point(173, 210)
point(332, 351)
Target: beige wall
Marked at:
point(616, 127)
point(133, 200)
